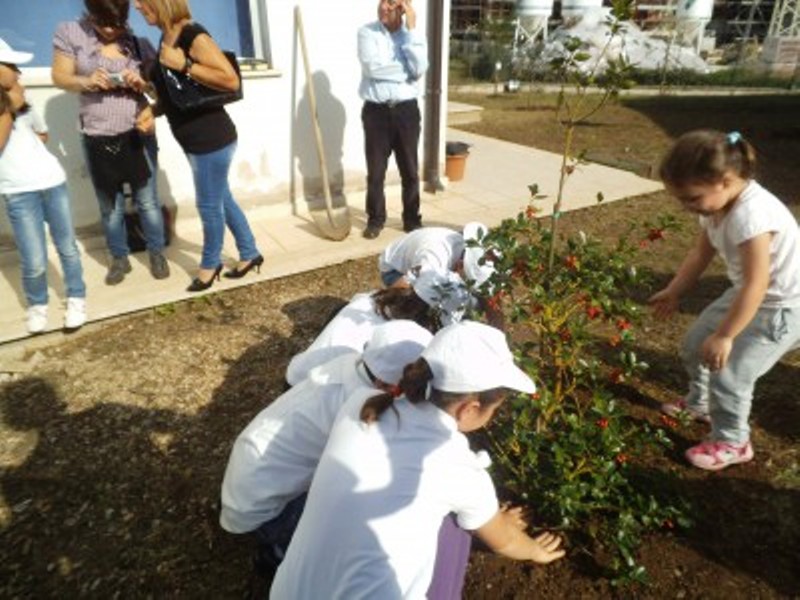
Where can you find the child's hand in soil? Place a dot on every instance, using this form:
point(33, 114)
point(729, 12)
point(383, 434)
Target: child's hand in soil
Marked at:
point(545, 548)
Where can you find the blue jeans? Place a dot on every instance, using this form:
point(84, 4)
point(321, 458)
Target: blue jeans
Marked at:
point(273, 537)
point(28, 212)
point(145, 198)
point(727, 395)
point(217, 207)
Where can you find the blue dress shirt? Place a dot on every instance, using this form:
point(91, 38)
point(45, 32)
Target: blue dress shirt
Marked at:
point(391, 63)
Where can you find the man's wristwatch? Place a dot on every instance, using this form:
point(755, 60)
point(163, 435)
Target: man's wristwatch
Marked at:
point(187, 65)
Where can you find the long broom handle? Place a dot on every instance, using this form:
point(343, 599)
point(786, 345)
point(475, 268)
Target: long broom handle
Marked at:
point(323, 164)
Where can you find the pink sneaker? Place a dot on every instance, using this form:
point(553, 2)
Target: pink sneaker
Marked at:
point(679, 407)
point(713, 456)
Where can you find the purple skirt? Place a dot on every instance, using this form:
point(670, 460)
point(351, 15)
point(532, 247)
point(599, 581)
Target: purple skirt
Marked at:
point(452, 556)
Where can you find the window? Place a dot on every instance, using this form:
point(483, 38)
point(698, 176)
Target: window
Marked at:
point(237, 25)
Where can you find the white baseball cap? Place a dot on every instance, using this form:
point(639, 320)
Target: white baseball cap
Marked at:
point(473, 357)
point(392, 346)
point(474, 271)
point(12, 57)
point(443, 291)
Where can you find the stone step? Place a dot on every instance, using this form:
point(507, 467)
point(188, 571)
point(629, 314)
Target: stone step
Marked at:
point(459, 113)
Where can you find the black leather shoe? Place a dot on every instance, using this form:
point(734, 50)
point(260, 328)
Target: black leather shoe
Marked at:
point(237, 273)
point(120, 267)
point(371, 232)
point(198, 285)
point(409, 227)
point(159, 268)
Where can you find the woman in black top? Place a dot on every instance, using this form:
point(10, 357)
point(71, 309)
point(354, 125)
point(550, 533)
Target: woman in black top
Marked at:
point(207, 135)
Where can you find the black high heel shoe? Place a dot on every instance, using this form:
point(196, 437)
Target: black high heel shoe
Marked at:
point(198, 285)
point(255, 263)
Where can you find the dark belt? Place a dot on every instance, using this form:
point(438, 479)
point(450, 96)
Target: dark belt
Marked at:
point(392, 104)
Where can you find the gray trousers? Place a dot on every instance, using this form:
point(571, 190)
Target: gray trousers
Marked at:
point(727, 395)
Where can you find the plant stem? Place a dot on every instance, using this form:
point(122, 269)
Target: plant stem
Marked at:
point(568, 135)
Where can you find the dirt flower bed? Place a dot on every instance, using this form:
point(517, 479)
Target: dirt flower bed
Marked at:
point(113, 441)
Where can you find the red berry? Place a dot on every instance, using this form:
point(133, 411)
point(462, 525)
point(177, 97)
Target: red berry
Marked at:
point(593, 311)
point(571, 262)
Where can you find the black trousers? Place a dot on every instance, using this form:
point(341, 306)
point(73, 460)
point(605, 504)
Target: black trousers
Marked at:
point(387, 129)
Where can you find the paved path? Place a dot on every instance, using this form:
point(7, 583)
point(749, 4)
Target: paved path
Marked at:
point(673, 90)
point(494, 188)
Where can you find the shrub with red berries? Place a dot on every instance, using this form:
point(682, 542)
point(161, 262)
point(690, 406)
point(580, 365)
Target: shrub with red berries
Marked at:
point(570, 449)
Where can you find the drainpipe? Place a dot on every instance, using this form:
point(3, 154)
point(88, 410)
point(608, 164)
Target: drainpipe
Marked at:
point(433, 98)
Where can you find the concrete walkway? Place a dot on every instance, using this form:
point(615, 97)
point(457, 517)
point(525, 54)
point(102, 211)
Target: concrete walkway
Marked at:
point(495, 187)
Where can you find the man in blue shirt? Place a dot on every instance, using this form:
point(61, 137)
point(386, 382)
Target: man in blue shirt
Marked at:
point(394, 57)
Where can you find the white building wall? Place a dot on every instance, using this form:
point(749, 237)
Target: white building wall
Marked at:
point(276, 152)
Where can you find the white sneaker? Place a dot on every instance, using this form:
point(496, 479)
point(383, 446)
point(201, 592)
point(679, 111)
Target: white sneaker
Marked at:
point(75, 316)
point(37, 318)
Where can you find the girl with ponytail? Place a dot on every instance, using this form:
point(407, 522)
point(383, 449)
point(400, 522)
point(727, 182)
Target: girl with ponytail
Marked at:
point(743, 333)
point(395, 466)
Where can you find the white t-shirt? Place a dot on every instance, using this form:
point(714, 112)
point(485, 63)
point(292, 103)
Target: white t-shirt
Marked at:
point(427, 248)
point(25, 163)
point(273, 459)
point(755, 212)
point(371, 522)
point(348, 331)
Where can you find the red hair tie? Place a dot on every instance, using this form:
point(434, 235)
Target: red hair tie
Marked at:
point(396, 391)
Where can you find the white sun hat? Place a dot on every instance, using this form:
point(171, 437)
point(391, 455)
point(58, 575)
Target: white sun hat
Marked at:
point(473, 271)
point(392, 346)
point(473, 357)
point(444, 292)
point(13, 57)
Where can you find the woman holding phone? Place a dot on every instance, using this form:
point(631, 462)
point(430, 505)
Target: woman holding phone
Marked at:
point(99, 58)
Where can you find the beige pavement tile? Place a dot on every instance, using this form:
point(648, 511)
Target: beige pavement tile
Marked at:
point(494, 188)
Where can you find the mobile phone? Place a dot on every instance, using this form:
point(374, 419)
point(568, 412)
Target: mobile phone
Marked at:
point(116, 79)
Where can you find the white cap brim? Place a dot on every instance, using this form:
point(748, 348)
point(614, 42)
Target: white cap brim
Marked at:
point(474, 357)
point(13, 57)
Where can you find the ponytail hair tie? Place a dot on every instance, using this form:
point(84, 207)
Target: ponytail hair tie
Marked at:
point(396, 391)
point(733, 138)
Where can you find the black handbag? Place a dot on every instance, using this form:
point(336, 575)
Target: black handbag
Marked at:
point(188, 94)
point(116, 159)
point(133, 226)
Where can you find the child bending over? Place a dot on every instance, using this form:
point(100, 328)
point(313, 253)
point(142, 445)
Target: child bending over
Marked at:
point(744, 332)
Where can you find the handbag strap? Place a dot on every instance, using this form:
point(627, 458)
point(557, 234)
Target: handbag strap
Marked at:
point(137, 50)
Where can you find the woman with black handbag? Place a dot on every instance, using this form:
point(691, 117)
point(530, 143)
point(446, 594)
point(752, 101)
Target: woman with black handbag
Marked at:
point(189, 56)
point(98, 57)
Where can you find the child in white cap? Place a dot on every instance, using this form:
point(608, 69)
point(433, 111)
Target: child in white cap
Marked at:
point(273, 459)
point(33, 184)
point(392, 470)
point(427, 302)
point(437, 249)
